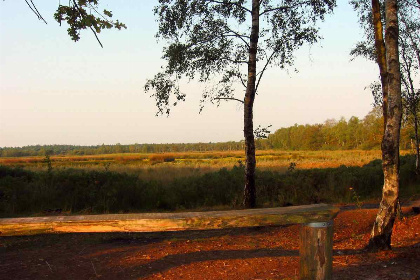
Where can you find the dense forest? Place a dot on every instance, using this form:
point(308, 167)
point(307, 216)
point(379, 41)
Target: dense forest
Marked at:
point(333, 134)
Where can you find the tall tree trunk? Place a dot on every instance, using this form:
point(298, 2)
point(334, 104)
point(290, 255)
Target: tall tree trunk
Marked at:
point(380, 54)
point(413, 40)
point(413, 109)
point(382, 229)
point(249, 190)
point(412, 99)
point(416, 135)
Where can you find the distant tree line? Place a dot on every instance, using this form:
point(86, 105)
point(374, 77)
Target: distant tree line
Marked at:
point(42, 150)
point(364, 134)
point(333, 134)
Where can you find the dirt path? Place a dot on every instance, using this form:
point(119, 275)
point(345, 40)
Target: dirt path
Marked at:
point(262, 253)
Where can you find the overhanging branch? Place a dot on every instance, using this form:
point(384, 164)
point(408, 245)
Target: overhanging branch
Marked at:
point(279, 8)
point(35, 10)
point(263, 70)
point(94, 32)
point(238, 35)
point(229, 98)
point(232, 4)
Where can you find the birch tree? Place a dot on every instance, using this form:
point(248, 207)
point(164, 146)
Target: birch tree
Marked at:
point(385, 50)
point(229, 44)
point(409, 54)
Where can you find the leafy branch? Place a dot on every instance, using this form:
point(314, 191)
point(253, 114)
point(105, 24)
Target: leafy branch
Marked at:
point(77, 17)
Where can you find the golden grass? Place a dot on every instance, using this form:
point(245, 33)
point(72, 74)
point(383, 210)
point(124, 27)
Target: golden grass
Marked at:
point(173, 165)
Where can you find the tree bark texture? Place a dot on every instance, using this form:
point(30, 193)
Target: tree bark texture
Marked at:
point(382, 228)
point(249, 190)
point(416, 135)
point(380, 54)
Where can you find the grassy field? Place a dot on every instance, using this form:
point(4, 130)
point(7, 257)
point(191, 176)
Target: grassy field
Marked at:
point(122, 183)
point(167, 166)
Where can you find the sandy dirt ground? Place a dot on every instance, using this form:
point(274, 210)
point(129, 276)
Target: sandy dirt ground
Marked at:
point(249, 253)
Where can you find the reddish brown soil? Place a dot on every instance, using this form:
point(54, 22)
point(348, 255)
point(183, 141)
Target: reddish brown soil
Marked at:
point(262, 253)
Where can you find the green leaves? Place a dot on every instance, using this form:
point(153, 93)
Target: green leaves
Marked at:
point(108, 13)
point(209, 40)
point(164, 87)
point(83, 14)
point(262, 132)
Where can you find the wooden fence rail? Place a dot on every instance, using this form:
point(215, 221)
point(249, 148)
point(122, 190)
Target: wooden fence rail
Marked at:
point(315, 238)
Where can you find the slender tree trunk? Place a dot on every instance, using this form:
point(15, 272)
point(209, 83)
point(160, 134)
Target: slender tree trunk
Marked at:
point(416, 135)
point(413, 109)
point(380, 54)
point(382, 228)
point(411, 99)
point(249, 190)
point(414, 45)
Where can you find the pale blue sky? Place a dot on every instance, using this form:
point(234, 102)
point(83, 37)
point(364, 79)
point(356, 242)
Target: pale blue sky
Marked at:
point(55, 91)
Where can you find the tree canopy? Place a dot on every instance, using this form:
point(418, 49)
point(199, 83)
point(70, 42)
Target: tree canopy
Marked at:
point(210, 41)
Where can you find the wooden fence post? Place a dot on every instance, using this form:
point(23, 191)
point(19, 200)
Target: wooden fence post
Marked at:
point(315, 250)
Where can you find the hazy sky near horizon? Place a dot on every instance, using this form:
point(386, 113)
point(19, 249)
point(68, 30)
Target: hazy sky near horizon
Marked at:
point(56, 91)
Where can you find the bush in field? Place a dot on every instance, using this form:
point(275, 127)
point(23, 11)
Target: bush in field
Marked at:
point(68, 190)
point(159, 158)
point(318, 185)
point(212, 189)
point(15, 193)
point(24, 192)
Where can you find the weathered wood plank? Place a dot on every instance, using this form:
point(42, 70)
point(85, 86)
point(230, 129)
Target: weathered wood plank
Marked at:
point(315, 250)
point(152, 222)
